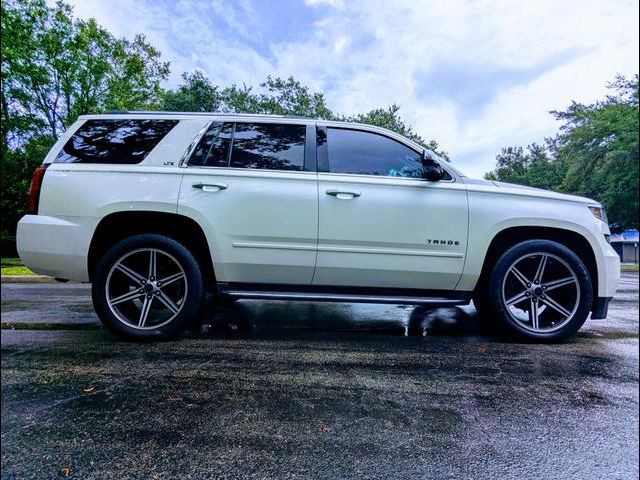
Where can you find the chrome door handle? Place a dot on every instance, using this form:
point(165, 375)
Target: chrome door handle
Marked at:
point(210, 187)
point(343, 195)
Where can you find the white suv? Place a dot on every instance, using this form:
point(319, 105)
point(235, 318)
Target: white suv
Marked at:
point(157, 209)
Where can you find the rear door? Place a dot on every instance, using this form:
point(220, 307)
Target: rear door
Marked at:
point(380, 223)
point(253, 188)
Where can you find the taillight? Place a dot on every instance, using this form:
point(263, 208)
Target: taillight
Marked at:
point(34, 189)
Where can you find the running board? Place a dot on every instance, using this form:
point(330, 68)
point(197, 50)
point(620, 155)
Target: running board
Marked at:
point(350, 298)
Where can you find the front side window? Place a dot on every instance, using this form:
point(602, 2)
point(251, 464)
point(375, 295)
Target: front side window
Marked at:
point(366, 153)
point(269, 146)
point(114, 141)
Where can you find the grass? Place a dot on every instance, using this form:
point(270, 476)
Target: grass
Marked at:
point(11, 262)
point(630, 267)
point(13, 266)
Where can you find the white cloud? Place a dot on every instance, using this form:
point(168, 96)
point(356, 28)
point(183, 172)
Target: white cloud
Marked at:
point(473, 75)
point(185, 35)
point(331, 3)
point(501, 65)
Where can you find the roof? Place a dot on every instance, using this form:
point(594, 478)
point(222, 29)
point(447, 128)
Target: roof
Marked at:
point(205, 114)
point(627, 236)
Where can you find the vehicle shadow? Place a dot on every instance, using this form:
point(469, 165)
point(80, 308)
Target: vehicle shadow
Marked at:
point(269, 317)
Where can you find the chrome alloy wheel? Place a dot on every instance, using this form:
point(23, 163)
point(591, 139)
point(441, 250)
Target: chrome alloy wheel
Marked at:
point(541, 292)
point(146, 288)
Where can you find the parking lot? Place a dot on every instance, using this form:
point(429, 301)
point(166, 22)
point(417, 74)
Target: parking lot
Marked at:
point(308, 390)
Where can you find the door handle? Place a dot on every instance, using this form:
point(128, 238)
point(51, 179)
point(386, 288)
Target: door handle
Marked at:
point(210, 187)
point(343, 195)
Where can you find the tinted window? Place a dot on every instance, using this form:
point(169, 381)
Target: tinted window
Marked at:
point(213, 148)
point(364, 153)
point(268, 146)
point(114, 141)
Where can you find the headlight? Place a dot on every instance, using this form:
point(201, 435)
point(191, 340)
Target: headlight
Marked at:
point(599, 213)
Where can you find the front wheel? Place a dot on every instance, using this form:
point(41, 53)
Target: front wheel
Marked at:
point(540, 291)
point(147, 286)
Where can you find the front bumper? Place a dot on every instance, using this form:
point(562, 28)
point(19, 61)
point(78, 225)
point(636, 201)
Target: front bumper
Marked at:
point(608, 263)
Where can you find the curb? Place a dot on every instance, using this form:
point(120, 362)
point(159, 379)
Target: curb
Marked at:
point(26, 279)
point(50, 326)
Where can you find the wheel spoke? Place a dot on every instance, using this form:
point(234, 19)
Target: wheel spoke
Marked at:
point(533, 314)
point(137, 282)
point(167, 301)
point(559, 283)
point(152, 264)
point(170, 279)
point(144, 313)
point(127, 296)
point(556, 306)
point(540, 271)
point(516, 298)
point(518, 274)
point(130, 273)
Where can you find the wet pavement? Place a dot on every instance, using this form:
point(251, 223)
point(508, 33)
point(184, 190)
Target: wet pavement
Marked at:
point(304, 390)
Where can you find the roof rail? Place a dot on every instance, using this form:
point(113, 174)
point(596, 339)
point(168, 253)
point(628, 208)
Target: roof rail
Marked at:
point(196, 114)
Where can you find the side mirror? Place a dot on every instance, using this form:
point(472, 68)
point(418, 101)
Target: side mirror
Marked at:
point(431, 169)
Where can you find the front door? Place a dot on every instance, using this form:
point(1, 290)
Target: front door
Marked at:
point(380, 223)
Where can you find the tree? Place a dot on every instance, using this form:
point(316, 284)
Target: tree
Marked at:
point(390, 119)
point(599, 143)
point(195, 94)
point(595, 154)
point(533, 166)
point(279, 97)
point(55, 67)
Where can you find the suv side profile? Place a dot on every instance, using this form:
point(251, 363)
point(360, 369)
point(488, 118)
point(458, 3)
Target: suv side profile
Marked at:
point(158, 209)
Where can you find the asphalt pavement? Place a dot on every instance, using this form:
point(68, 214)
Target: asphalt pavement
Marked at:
point(308, 390)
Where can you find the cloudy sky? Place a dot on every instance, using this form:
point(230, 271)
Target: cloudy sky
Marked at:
point(473, 75)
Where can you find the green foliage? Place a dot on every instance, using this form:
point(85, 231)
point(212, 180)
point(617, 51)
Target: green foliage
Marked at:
point(533, 166)
point(195, 94)
point(390, 119)
point(279, 97)
point(595, 154)
point(55, 67)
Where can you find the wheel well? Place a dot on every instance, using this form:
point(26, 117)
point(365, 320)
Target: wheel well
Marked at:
point(120, 225)
point(511, 236)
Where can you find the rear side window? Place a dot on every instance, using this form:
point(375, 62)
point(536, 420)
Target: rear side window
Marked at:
point(213, 148)
point(269, 146)
point(114, 141)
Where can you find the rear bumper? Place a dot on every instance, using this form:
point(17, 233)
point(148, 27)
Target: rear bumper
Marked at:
point(56, 246)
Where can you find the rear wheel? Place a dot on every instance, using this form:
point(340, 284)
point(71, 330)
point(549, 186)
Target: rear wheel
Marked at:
point(148, 286)
point(540, 290)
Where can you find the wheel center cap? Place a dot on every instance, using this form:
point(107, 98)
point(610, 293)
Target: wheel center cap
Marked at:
point(537, 291)
point(148, 288)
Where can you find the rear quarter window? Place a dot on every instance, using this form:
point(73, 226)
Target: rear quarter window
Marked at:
point(114, 141)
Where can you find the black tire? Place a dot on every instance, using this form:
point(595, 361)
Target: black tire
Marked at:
point(223, 301)
point(482, 304)
point(174, 313)
point(504, 287)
